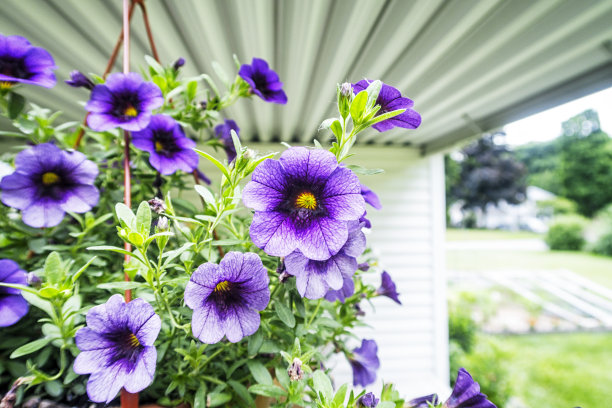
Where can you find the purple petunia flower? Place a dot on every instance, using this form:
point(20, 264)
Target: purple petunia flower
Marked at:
point(117, 348)
point(264, 81)
point(48, 182)
point(223, 133)
point(466, 393)
point(315, 278)
point(125, 101)
point(170, 150)
point(423, 402)
point(12, 305)
point(387, 288)
point(226, 298)
point(347, 290)
point(364, 362)
point(80, 80)
point(391, 99)
point(370, 197)
point(303, 201)
point(21, 62)
point(367, 400)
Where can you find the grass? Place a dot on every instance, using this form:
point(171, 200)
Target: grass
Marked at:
point(559, 370)
point(454, 234)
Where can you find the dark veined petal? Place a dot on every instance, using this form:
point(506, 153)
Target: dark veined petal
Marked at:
point(323, 238)
point(274, 232)
point(312, 166)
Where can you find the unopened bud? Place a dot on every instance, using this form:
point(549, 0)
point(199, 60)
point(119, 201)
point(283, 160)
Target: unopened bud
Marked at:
point(358, 310)
point(345, 95)
point(295, 370)
point(157, 205)
point(203, 105)
point(33, 280)
point(363, 266)
point(179, 63)
point(162, 224)
point(367, 401)
point(346, 90)
point(80, 80)
point(249, 154)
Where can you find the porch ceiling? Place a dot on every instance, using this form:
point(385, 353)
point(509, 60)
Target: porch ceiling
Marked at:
point(470, 66)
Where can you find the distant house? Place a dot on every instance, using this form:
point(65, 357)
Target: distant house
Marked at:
point(524, 216)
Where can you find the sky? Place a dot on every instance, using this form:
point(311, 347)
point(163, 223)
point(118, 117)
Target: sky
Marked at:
point(546, 125)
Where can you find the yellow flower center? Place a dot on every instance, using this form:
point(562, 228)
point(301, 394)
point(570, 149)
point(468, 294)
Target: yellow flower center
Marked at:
point(130, 111)
point(159, 146)
point(222, 286)
point(5, 85)
point(133, 340)
point(306, 200)
point(50, 178)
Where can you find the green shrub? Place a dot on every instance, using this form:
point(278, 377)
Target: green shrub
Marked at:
point(566, 233)
point(462, 329)
point(603, 246)
point(487, 359)
point(556, 206)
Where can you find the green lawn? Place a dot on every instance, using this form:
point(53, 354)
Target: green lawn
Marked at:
point(559, 370)
point(454, 234)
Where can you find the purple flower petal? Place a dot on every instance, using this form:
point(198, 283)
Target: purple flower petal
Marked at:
point(20, 62)
point(466, 393)
point(263, 81)
point(370, 197)
point(342, 195)
point(364, 362)
point(226, 298)
point(387, 288)
point(274, 233)
point(307, 165)
point(423, 402)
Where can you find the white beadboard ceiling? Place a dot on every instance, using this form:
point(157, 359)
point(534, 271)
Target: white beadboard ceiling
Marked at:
point(470, 66)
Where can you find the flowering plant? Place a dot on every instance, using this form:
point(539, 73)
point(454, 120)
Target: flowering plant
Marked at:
point(241, 295)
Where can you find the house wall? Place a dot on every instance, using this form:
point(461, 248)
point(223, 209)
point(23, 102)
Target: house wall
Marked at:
point(408, 236)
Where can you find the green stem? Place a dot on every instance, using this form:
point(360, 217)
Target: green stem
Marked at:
point(314, 314)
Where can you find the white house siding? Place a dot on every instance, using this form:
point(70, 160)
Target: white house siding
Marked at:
point(408, 236)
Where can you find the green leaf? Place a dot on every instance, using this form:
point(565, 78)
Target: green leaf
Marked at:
point(282, 377)
point(54, 388)
point(15, 105)
point(214, 161)
point(373, 90)
point(125, 215)
point(154, 64)
point(268, 390)
point(143, 219)
point(340, 395)
point(242, 392)
point(214, 399)
point(122, 285)
point(259, 372)
point(192, 90)
point(37, 301)
point(199, 401)
point(76, 276)
point(358, 106)
point(228, 242)
point(205, 193)
point(254, 343)
point(236, 141)
point(136, 239)
point(220, 73)
point(284, 313)
point(48, 292)
point(384, 116)
point(362, 170)
point(30, 348)
point(386, 404)
point(54, 272)
point(171, 255)
point(322, 384)
point(115, 249)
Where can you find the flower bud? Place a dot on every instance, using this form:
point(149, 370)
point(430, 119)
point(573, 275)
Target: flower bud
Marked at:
point(79, 80)
point(157, 205)
point(162, 224)
point(179, 63)
point(367, 400)
point(345, 95)
point(295, 370)
point(33, 280)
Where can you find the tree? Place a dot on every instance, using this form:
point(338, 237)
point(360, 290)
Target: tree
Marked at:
point(489, 173)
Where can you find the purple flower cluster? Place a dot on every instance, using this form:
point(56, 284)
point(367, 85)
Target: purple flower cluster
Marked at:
point(466, 394)
point(226, 298)
point(21, 62)
point(117, 348)
point(12, 305)
point(391, 99)
point(169, 149)
point(264, 82)
point(48, 182)
point(125, 101)
point(305, 204)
